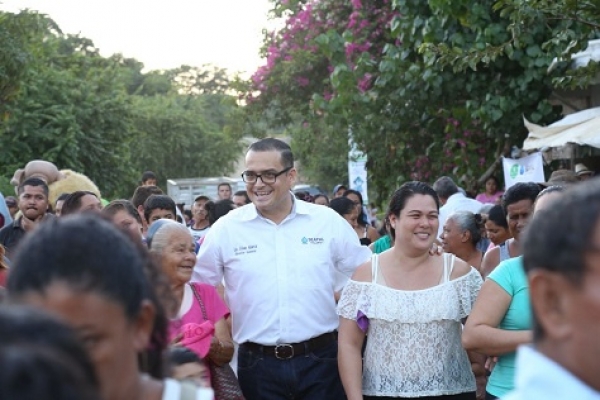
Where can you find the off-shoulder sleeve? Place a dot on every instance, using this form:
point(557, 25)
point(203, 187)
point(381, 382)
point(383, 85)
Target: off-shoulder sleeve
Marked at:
point(354, 298)
point(467, 288)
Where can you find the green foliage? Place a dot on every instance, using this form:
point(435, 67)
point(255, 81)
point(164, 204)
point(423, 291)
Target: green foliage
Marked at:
point(439, 90)
point(174, 142)
point(330, 143)
point(63, 102)
point(17, 32)
point(543, 30)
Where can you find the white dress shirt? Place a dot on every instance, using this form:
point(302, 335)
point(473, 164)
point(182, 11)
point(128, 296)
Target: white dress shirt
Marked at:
point(280, 279)
point(538, 377)
point(457, 202)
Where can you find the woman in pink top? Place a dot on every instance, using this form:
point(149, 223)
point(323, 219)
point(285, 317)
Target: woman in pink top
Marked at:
point(200, 322)
point(492, 192)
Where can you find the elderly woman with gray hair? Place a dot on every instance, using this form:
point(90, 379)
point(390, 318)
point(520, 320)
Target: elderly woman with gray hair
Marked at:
point(461, 233)
point(200, 322)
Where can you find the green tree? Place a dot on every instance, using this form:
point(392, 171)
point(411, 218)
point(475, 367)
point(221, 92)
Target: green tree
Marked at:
point(61, 101)
point(372, 67)
point(64, 106)
point(572, 24)
point(172, 139)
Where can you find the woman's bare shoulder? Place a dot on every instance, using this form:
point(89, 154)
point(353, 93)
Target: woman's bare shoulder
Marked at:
point(461, 268)
point(363, 273)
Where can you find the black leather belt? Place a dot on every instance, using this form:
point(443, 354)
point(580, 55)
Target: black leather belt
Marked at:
point(285, 351)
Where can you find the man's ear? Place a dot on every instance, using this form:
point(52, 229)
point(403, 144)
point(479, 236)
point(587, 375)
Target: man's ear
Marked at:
point(292, 176)
point(550, 293)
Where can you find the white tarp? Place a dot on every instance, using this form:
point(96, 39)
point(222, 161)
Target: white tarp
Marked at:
point(582, 128)
point(525, 169)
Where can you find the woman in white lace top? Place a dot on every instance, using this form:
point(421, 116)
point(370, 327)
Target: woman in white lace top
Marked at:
point(411, 304)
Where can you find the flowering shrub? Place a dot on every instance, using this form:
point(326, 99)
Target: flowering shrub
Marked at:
point(361, 64)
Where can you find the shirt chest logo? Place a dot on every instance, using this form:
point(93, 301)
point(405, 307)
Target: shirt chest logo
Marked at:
point(309, 241)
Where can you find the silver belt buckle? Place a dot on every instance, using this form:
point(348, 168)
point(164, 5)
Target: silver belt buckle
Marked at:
point(282, 347)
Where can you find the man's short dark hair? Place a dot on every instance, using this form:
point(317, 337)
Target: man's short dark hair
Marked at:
point(148, 175)
point(224, 184)
point(33, 182)
point(520, 191)
point(244, 194)
point(445, 187)
point(272, 144)
point(560, 238)
point(158, 202)
point(142, 193)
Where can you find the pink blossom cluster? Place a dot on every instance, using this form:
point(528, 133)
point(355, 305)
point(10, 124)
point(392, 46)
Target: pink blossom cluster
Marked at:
point(367, 23)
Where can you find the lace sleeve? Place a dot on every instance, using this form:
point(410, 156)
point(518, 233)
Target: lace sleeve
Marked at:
point(467, 288)
point(353, 300)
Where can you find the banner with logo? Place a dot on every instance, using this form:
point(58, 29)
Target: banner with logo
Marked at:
point(357, 174)
point(526, 169)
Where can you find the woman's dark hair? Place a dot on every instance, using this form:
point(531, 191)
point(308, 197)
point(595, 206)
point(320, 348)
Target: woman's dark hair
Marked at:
point(497, 216)
point(467, 221)
point(495, 179)
point(405, 192)
point(342, 205)
point(319, 195)
point(116, 206)
point(362, 218)
point(182, 355)
point(90, 254)
point(42, 358)
point(218, 209)
point(72, 203)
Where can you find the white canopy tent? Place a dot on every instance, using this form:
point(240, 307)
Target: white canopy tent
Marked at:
point(581, 128)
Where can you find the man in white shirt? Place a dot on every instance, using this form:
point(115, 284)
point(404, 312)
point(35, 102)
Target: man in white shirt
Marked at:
point(281, 260)
point(562, 260)
point(452, 199)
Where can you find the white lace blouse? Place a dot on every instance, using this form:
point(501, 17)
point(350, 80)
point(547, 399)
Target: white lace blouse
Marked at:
point(414, 337)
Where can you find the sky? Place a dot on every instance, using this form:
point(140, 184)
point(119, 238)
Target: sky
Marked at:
point(165, 34)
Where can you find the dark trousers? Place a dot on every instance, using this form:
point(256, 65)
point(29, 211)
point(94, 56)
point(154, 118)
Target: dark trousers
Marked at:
point(489, 396)
point(311, 376)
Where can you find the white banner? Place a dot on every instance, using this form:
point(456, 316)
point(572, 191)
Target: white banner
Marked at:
point(526, 169)
point(357, 174)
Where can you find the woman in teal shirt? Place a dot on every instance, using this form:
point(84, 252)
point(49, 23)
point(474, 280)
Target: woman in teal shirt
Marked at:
point(501, 317)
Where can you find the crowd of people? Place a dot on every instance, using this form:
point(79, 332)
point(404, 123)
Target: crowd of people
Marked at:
point(263, 294)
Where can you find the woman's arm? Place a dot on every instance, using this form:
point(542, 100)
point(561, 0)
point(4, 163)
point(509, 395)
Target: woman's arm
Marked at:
point(350, 343)
point(221, 346)
point(491, 259)
point(481, 333)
